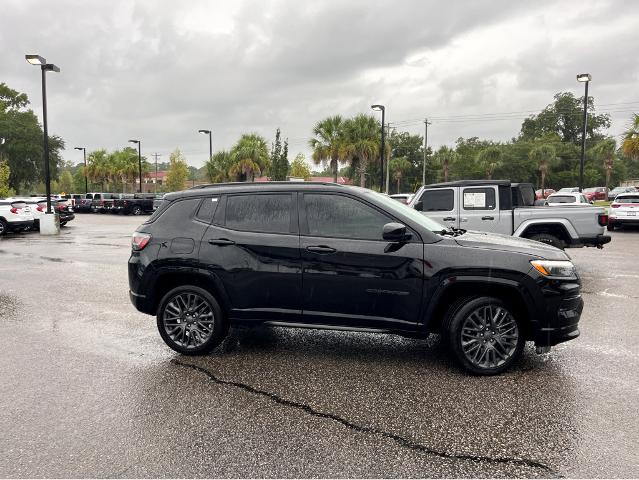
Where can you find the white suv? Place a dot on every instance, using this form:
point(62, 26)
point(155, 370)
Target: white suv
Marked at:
point(624, 210)
point(15, 216)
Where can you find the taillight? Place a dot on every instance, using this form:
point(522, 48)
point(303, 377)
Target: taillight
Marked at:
point(603, 219)
point(14, 210)
point(139, 240)
point(615, 205)
point(40, 208)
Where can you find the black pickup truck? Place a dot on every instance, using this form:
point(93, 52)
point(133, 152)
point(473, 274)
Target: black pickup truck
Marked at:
point(136, 204)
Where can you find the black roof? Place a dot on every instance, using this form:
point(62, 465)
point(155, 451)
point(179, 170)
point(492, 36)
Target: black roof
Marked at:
point(254, 186)
point(468, 183)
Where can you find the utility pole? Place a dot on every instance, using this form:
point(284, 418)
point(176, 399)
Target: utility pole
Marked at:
point(426, 123)
point(387, 160)
point(156, 155)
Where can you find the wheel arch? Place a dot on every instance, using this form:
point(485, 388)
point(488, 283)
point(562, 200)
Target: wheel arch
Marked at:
point(453, 288)
point(560, 228)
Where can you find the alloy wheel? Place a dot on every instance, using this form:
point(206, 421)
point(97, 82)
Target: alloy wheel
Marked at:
point(489, 336)
point(188, 320)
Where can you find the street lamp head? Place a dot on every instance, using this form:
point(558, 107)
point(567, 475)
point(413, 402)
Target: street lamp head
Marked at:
point(35, 59)
point(584, 77)
point(378, 107)
point(50, 67)
point(78, 148)
point(134, 141)
point(206, 132)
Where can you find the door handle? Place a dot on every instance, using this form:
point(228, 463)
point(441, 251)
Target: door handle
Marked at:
point(488, 217)
point(221, 241)
point(321, 249)
point(463, 219)
point(448, 219)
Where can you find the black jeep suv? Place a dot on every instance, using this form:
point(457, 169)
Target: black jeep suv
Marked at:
point(326, 256)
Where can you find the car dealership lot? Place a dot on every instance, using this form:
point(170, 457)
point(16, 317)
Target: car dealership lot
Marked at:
point(90, 389)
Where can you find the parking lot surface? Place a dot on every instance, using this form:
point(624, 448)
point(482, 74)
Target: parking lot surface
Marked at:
point(90, 390)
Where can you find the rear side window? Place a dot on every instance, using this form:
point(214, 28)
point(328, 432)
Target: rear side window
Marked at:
point(175, 213)
point(207, 209)
point(479, 199)
point(440, 200)
point(267, 213)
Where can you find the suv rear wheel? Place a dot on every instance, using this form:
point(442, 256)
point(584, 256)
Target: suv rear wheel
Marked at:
point(484, 334)
point(190, 320)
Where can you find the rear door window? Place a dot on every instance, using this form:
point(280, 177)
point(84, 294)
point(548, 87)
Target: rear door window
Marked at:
point(207, 209)
point(267, 213)
point(439, 200)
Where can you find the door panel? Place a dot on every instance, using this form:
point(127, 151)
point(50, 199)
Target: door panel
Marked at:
point(440, 204)
point(478, 209)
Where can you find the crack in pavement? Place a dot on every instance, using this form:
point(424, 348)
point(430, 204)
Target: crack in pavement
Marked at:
point(401, 441)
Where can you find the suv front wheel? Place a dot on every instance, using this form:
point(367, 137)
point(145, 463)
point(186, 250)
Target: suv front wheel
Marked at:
point(190, 320)
point(484, 334)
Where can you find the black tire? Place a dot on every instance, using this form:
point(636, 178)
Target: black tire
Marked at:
point(3, 227)
point(102, 210)
point(191, 329)
point(610, 227)
point(547, 238)
point(497, 337)
point(62, 224)
point(137, 210)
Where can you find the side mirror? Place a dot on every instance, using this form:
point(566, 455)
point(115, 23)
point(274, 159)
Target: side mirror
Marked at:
point(419, 206)
point(592, 202)
point(395, 232)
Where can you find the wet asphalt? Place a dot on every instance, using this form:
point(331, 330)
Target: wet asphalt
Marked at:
point(88, 389)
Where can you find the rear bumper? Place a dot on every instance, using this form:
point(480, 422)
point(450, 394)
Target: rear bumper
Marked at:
point(623, 220)
point(596, 241)
point(19, 225)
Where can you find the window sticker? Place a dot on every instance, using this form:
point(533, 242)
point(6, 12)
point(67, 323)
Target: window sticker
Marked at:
point(474, 200)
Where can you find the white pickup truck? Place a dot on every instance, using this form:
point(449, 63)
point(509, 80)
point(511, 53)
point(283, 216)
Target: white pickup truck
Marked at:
point(500, 206)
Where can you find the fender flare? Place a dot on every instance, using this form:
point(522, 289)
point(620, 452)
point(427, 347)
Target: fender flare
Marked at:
point(563, 222)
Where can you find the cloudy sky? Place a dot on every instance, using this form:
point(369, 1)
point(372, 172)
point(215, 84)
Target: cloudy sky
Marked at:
point(161, 70)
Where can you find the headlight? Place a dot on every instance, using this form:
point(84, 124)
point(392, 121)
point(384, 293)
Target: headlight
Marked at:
point(555, 268)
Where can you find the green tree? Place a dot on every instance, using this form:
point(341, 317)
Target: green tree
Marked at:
point(279, 160)
point(411, 147)
point(489, 159)
point(544, 156)
point(328, 137)
point(605, 151)
point(360, 143)
point(66, 182)
point(630, 146)
point(178, 172)
point(250, 157)
point(445, 157)
point(123, 165)
point(299, 168)
point(564, 117)
point(99, 169)
point(217, 168)
point(398, 168)
point(5, 173)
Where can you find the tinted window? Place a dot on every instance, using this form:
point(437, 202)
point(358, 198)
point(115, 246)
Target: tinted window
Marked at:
point(175, 213)
point(479, 199)
point(438, 200)
point(561, 199)
point(269, 213)
point(207, 209)
point(627, 199)
point(343, 217)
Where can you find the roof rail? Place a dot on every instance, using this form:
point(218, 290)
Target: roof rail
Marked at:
point(283, 182)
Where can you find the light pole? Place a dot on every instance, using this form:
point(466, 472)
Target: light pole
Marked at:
point(44, 67)
point(584, 78)
point(381, 180)
point(209, 133)
point(86, 182)
point(426, 123)
point(139, 144)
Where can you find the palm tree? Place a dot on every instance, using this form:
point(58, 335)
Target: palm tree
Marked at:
point(399, 166)
point(361, 143)
point(630, 145)
point(489, 159)
point(327, 142)
point(446, 157)
point(98, 167)
point(218, 166)
point(125, 165)
point(250, 156)
point(544, 156)
point(605, 150)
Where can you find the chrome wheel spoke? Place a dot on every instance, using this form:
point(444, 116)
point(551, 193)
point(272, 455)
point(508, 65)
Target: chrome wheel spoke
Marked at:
point(188, 320)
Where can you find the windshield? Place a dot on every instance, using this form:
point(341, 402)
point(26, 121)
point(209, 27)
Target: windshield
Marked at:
point(402, 209)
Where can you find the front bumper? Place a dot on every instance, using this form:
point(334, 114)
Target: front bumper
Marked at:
point(563, 307)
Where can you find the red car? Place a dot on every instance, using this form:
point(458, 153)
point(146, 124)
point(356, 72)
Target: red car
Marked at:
point(595, 193)
point(547, 191)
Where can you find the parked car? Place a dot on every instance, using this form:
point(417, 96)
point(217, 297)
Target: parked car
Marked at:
point(84, 203)
point(539, 195)
point(402, 197)
point(136, 204)
point(157, 201)
point(102, 202)
point(73, 198)
point(501, 207)
point(38, 207)
point(612, 194)
point(239, 254)
point(595, 193)
point(15, 216)
point(624, 210)
point(558, 199)
point(568, 190)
